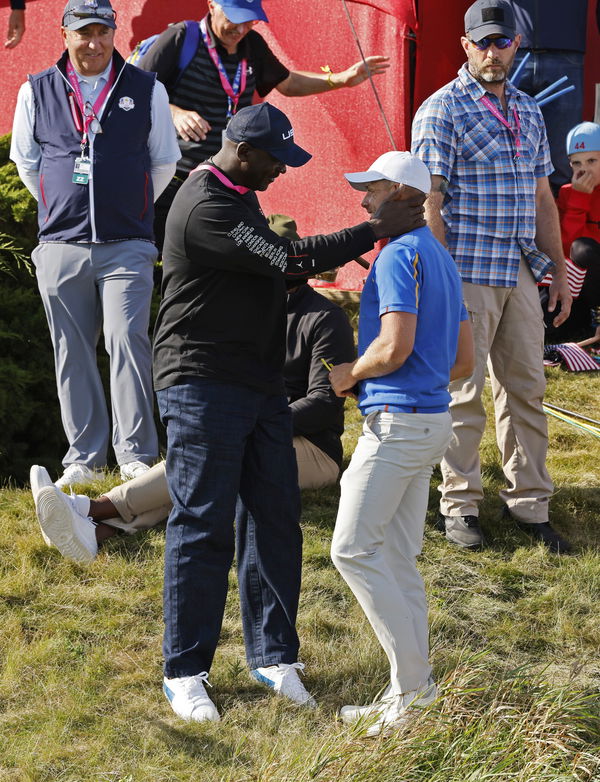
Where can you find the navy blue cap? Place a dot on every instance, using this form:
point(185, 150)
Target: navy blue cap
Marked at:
point(240, 11)
point(79, 13)
point(267, 128)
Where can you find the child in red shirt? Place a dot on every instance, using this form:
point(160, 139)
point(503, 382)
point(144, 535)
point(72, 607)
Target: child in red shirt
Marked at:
point(579, 208)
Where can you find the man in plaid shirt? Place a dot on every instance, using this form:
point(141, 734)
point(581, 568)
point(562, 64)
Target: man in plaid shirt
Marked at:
point(485, 144)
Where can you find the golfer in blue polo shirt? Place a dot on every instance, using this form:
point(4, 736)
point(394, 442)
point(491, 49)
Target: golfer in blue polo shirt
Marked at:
point(414, 336)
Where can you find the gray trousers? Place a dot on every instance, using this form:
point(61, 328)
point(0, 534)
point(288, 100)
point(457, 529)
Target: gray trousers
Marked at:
point(87, 288)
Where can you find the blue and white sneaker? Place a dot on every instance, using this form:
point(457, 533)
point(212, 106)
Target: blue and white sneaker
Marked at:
point(284, 680)
point(189, 699)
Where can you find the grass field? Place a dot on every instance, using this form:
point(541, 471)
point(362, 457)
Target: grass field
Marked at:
point(515, 636)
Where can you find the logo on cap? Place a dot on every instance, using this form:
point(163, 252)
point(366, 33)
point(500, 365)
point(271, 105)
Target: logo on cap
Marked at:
point(126, 103)
point(492, 14)
point(289, 134)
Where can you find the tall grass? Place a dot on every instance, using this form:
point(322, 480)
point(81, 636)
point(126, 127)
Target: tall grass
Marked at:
point(515, 633)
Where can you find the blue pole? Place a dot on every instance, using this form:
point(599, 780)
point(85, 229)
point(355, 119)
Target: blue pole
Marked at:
point(556, 95)
point(545, 92)
point(516, 77)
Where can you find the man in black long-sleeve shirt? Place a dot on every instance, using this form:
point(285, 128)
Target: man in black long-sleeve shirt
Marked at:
point(218, 360)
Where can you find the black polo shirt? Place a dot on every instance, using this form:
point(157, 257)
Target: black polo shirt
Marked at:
point(200, 88)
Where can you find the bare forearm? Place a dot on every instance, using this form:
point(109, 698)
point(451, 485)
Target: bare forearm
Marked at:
point(433, 208)
point(300, 83)
point(464, 363)
point(380, 358)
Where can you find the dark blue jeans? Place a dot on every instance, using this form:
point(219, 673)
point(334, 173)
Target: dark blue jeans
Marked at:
point(229, 456)
point(541, 70)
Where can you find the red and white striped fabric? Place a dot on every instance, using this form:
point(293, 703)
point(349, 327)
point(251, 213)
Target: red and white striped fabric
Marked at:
point(575, 358)
point(575, 278)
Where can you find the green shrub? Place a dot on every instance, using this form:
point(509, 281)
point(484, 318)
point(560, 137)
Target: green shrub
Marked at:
point(30, 428)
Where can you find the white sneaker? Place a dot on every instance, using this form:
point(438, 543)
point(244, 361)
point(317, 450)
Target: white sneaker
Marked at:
point(398, 708)
point(78, 473)
point(38, 479)
point(284, 679)
point(133, 470)
point(352, 714)
point(189, 699)
point(73, 534)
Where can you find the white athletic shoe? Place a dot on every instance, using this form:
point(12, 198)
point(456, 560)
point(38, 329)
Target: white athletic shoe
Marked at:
point(78, 473)
point(38, 479)
point(284, 680)
point(352, 714)
point(73, 534)
point(398, 710)
point(133, 470)
point(189, 699)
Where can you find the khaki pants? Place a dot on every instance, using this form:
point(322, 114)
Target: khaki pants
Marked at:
point(144, 502)
point(379, 533)
point(509, 337)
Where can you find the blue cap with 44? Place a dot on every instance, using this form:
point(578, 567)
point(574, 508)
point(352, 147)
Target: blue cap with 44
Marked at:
point(584, 137)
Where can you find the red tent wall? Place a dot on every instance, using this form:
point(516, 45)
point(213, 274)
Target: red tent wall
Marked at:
point(344, 130)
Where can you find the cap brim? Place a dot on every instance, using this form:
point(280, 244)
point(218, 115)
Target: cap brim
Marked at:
point(291, 155)
point(79, 23)
point(491, 29)
point(241, 15)
point(360, 179)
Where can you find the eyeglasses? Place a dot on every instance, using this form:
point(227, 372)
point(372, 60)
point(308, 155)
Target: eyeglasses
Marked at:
point(485, 43)
point(88, 12)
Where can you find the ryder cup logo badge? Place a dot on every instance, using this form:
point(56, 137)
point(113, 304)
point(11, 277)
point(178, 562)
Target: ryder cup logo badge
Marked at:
point(126, 103)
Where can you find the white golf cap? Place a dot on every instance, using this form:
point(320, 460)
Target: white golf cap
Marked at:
point(400, 167)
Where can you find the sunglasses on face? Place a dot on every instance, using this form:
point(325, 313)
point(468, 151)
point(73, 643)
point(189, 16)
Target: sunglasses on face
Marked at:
point(500, 43)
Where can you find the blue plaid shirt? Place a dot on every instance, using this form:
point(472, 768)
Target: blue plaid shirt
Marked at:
point(489, 209)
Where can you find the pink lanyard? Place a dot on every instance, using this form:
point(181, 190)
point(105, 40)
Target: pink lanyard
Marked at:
point(221, 177)
point(239, 82)
point(82, 120)
point(516, 132)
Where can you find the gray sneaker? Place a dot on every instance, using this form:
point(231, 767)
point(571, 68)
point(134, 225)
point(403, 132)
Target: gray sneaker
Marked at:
point(463, 531)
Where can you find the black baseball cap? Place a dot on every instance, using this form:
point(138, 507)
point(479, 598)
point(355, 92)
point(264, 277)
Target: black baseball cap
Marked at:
point(267, 128)
point(490, 17)
point(79, 13)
